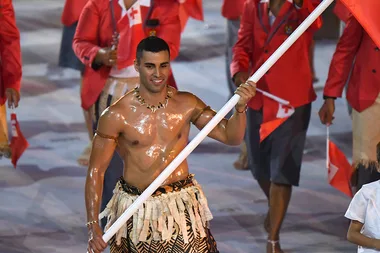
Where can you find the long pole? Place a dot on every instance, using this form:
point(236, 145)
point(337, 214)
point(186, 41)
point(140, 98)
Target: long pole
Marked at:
point(213, 122)
point(327, 147)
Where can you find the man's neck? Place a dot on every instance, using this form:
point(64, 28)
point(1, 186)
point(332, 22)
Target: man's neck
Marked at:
point(153, 98)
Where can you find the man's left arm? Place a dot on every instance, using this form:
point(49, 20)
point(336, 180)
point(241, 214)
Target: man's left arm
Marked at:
point(170, 25)
point(305, 8)
point(10, 53)
point(231, 131)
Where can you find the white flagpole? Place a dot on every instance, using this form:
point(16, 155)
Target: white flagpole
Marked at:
point(327, 147)
point(275, 98)
point(213, 122)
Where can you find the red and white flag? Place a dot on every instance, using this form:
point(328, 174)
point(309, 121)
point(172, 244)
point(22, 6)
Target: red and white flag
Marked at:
point(274, 114)
point(131, 32)
point(339, 169)
point(18, 142)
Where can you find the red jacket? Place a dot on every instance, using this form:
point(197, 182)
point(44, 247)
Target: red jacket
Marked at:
point(341, 11)
point(364, 84)
point(290, 77)
point(72, 11)
point(95, 31)
point(232, 9)
point(10, 51)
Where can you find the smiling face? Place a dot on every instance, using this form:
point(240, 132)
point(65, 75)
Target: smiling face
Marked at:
point(154, 70)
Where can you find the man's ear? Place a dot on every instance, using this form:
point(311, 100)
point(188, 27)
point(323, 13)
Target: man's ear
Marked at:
point(136, 65)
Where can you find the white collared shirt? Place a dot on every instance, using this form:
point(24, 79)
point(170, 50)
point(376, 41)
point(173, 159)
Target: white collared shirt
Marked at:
point(365, 208)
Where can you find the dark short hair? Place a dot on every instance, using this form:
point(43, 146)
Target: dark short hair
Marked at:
point(151, 44)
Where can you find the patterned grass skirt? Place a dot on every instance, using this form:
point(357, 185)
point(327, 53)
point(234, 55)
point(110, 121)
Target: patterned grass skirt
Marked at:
point(174, 219)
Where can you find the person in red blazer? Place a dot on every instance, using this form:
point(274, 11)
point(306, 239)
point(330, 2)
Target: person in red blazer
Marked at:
point(99, 49)
point(356, 51)
point(67, 59)
point(10, 56)
point(232, 11)
point(10, 69)
point(276, 161)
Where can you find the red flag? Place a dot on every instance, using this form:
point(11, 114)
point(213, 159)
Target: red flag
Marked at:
point(274, 114)
point(18, 142)
point(339, 169)
point(367, 14)
point(131, 33)
point(190, 8)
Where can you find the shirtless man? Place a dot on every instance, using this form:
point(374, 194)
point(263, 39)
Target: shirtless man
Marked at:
point(149, 127)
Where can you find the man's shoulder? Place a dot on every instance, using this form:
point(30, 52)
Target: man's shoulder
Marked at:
point(111, 114)
point(186, 96)
point(117, 111)
point(189, 100)
point(121, 104)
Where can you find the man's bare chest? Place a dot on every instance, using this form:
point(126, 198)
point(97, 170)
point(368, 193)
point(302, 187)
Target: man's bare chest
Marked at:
point(158, 128)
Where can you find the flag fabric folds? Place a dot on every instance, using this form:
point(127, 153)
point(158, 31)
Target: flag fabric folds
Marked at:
point(274, 114)
point(18, 142)
point(339, 169)
point(365, 12)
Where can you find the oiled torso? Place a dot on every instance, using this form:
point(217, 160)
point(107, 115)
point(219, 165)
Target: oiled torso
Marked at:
point(150, 141)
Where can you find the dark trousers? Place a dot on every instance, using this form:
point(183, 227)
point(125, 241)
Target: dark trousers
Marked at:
point(67, 57)
point(278, 158)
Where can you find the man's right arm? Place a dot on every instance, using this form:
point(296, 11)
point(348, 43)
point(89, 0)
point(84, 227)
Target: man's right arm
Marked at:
point(85, 42)
point(343, 58)
point(242, 50)
point(340, 68)
point(103, 147)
